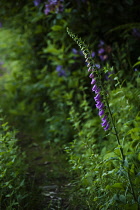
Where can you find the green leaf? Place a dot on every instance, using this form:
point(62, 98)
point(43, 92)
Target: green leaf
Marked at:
point(136, 64)
point(133, 130)
point(137, 180)
point(57, 28)
point(116, 185)
point(109, 155)
point(122, 198)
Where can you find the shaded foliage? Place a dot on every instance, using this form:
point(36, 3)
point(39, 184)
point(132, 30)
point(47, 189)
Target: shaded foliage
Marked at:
point(45, 90)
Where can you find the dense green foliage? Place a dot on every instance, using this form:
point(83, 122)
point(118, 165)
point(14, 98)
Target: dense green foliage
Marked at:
point(12, 170)
point(45, 92)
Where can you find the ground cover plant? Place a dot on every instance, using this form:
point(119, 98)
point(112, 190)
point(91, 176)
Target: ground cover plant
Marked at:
point(82, 101)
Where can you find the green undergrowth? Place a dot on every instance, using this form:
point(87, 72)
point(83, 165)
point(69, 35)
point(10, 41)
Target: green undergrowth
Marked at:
point(13, 192)
point(102, 181)
point(66, 160)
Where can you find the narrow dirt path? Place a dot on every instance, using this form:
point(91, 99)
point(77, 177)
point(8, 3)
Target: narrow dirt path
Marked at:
point(49, 174)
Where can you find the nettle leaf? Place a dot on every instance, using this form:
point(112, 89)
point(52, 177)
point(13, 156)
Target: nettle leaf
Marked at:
point(133, 130)
point(116, 185)
point(112, 158)
point(137, 180)
point(117, 151)
point(135, 136)
point(109, 155)
point(139, 156)
point(134, 143)
point(57, 28)
point(109, 172)
point(132, 169)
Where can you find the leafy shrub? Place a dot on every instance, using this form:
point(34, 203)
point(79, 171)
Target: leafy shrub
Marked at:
point(12, 169)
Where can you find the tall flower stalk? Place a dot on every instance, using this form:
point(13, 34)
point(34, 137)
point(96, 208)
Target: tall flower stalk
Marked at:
point(97, 86)
point(101, 100)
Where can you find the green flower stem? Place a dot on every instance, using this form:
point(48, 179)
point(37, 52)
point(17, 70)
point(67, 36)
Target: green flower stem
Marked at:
point(132, 189)
point(115, 130)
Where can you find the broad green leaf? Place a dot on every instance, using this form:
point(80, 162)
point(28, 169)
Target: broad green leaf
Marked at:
point(56, 28)
point(122, 198)
point(109, 155)
point(116, 185)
